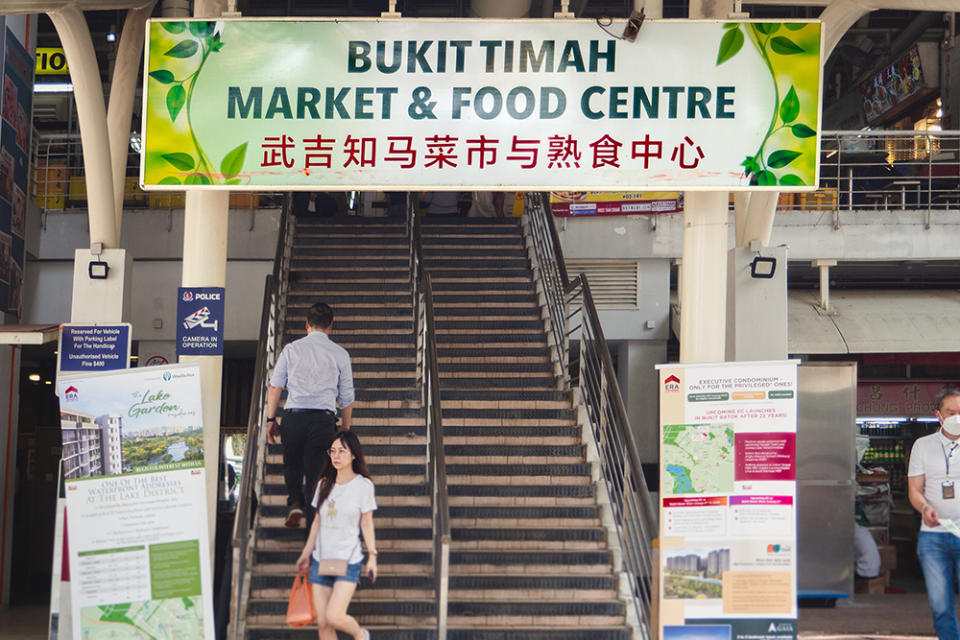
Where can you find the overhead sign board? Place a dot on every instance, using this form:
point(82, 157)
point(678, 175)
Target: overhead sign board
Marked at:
point(51, 61)
point(526, 104)
point(200, 321)
point(94, 347)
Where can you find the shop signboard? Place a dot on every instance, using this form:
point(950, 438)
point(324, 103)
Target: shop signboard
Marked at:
point(728, 543)
point(200, 321)
point(575, 204)
point(903, 399)
point(15, 110)
point(94, 347)
point(139, 552)
point(524, 104)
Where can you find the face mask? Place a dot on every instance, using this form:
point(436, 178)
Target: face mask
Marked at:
point(952, 425)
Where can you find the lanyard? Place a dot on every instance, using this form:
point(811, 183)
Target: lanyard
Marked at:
point(947, 456)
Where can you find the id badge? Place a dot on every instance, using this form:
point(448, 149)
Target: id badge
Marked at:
point(947, 489)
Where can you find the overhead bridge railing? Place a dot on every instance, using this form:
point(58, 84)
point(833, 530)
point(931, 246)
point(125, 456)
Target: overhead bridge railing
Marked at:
point(57, 181)
point(272, 319)
point(571, 310)
point(884, 170)
point(428, 379)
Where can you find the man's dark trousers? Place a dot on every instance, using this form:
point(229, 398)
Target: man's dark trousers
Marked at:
point(306, 436)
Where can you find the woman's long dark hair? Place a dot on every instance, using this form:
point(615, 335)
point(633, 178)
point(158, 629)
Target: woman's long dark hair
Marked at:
point(328, 474)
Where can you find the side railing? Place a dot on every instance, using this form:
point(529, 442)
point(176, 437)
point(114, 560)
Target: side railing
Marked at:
point(272, 318)
point(570, 304)
point(428, 379)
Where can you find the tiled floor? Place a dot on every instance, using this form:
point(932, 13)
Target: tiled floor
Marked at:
point(868, 616)
point(902, 616)
point(24, 623)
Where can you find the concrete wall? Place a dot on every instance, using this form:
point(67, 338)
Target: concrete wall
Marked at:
point(155, 240)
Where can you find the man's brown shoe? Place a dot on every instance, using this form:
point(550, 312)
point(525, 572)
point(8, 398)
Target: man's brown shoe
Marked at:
point(293, 517)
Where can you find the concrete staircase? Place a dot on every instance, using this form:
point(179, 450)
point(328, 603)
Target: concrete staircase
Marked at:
point(530, 558)
point(359, 266)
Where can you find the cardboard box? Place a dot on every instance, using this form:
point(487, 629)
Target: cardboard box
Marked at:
point(870, 585)
point(888, 556)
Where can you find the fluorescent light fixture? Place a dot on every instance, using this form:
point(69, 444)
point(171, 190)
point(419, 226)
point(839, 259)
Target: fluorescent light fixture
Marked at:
point(53, 87)
point(112, 34)
point(34, 377)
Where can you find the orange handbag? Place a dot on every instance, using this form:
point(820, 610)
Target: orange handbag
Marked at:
point(300, 608)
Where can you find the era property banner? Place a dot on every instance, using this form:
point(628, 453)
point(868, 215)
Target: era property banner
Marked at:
point(136, 514)
point(728, 501)
point(526, 104)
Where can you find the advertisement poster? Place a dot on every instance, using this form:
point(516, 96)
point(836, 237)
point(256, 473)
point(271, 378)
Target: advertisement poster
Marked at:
point(565, 204)
point(16, 101)
point(728, 500)
point(135, 491)
point(200, 321)
point(384, 104)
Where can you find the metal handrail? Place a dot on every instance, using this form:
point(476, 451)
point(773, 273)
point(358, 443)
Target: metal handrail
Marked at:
point(428, 377)
point(272, 318)
point(568, 301)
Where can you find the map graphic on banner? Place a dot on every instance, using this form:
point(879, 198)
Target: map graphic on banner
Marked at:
point(698, 458)
point(135, 489)
point(728, 501)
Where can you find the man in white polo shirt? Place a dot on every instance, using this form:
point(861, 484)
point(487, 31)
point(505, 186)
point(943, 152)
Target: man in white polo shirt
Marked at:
point(934, 490)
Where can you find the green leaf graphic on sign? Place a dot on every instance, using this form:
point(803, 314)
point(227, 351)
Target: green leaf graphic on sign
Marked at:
point(176, 98)
point(802, 131)
point(172, 179)
point(731, 25)
point(216, 44)
point(201, 29)
point(162, 75)
point(781, 158)
point(730, 44)
point(790, 107)
point(233, 162)
point(784, 46)
point(794, 26)
point(791, 180)
point(197, 178)
point(765, 179)
point(185, 49)
point(767, 28)
point(182, 161)
point(174, 27)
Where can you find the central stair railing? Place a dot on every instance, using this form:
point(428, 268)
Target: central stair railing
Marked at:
point(570, 302)
point(428, 378)
point(272, 320)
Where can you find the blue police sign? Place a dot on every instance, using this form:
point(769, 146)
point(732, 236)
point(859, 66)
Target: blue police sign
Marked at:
point(94, 347)
point(200, 321)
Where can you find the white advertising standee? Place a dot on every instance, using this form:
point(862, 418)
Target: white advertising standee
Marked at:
point(138, 542)
point(728, 516)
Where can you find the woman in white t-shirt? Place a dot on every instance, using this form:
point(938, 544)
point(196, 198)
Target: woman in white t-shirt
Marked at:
point(344, 500)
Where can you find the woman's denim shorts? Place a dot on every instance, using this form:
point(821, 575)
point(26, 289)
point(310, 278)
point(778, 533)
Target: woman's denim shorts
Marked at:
point(353, 574)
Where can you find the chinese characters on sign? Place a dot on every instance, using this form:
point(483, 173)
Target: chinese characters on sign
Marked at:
point(440, 151)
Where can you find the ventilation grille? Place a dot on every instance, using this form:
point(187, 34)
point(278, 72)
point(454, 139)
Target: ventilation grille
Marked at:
point(615, 284)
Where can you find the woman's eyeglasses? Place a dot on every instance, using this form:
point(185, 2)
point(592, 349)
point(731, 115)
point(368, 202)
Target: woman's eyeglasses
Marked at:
point(336, 452)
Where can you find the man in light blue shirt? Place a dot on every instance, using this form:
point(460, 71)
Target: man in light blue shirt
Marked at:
point(318, 377)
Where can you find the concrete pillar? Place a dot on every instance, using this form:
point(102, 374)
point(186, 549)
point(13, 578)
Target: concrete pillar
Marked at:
point(122, 86)
point(640, 390)
point(705, 237)
point(703, 272)
point(205, 265)
point(101, 300)
point(756, 307)
point(74, 35)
